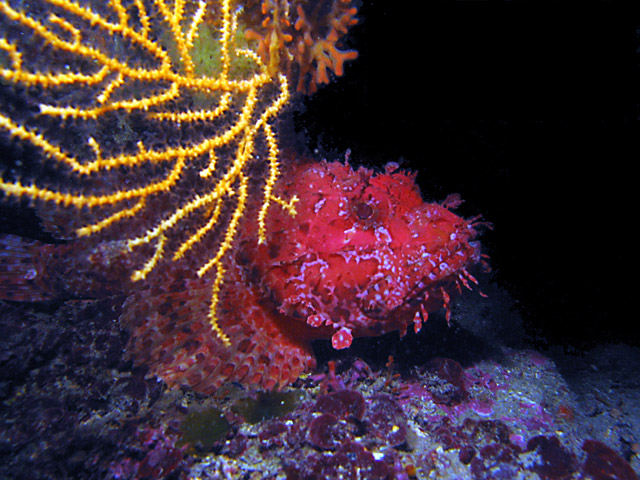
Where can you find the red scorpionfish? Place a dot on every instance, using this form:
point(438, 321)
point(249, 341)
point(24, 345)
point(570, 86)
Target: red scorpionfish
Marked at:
point(365, 255)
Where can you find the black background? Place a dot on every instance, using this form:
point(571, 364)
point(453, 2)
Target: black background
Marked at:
point(530, 112)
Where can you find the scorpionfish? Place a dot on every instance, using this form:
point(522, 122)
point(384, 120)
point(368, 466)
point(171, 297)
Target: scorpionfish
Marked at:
point(363, 256)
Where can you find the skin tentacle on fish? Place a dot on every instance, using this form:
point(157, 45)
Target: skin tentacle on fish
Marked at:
point(364, 255)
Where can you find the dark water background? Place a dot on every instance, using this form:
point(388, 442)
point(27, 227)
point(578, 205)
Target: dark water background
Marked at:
point(530, 112)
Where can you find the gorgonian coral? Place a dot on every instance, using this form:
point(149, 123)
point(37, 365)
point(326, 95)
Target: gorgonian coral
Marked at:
point(303, 38)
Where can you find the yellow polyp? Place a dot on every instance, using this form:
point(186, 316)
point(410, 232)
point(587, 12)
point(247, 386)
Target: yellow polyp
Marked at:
point(231, 229)
point(110, 220)
point(123, 17)
point(109, 89)
point(213, 306)
point(75, 33)
point(137, 60)
point(14, 54)
point(153, 261)
point(212, 164)
point(196, 237)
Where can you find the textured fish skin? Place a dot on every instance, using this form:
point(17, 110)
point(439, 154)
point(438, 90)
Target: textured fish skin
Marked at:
point(364, 255)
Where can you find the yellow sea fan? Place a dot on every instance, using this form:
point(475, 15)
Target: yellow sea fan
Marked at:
point(135, 138)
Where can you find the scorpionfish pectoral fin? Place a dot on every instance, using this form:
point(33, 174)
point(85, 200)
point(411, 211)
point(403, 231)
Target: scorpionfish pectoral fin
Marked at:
point(172, 335)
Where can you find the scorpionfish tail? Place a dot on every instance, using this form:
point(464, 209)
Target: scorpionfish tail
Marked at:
point(172, 335)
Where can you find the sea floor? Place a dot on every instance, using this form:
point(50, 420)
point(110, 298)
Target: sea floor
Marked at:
point(449, 402)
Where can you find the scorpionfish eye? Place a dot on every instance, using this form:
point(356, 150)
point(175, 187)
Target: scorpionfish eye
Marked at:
point(364, 211)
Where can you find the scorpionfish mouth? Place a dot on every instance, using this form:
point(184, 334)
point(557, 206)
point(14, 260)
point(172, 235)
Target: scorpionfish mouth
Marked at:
point(364, 254)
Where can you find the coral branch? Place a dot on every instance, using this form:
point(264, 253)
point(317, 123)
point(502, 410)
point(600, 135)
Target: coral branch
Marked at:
point(302, 38)
point(99, 68)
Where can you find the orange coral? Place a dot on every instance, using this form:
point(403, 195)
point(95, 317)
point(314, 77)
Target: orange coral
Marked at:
point(307, 46)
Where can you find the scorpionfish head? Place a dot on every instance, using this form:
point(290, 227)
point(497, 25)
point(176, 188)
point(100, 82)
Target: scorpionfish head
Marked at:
point(364, 255)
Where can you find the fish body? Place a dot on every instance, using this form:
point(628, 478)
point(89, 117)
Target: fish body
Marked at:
point(364, 255)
